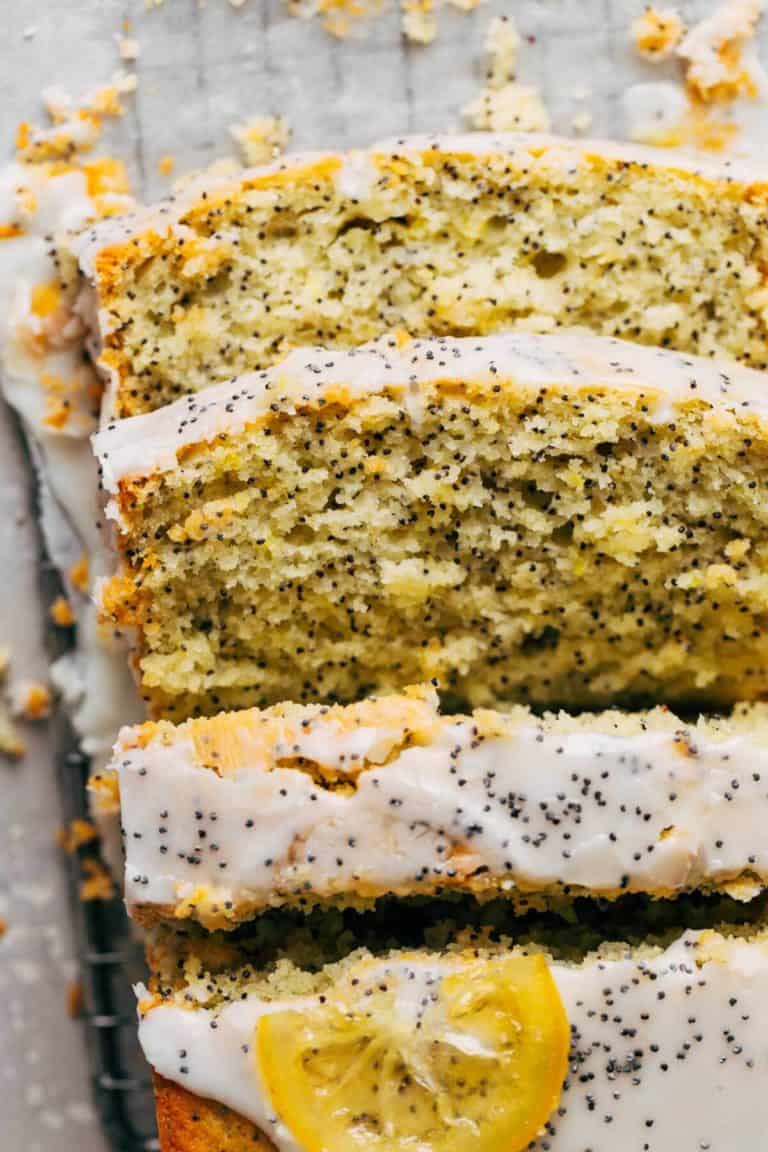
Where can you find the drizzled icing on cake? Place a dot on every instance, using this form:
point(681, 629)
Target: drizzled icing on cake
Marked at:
point(667, 1050)
point(568, 361)
point(315, 806)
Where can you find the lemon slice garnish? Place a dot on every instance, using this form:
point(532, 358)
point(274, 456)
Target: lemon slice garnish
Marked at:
point(426, 1058)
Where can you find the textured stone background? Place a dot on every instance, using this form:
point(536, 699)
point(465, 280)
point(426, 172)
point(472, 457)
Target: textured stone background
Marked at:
point(199, 71)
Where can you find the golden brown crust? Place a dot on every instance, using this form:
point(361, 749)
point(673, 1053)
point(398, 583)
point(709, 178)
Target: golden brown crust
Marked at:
point(189, 1123)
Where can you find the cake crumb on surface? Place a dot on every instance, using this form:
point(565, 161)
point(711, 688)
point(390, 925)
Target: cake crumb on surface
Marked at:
point(657, 32)
point(417, 21)
point(719, 68)
point(125, 83)
point(61, 612)
point(128, 48)
point(166, 164)
point(30, 700)
point(75, 124)
point(505, 105)
point(97, 884)
point(261, 139)
point(581, 122)
point(79, 573)
point(662, 115)
point(75, 999)
point(12, 745)
point(502, 42)
point(719, 57)
point(513, 108)
point(72, 836)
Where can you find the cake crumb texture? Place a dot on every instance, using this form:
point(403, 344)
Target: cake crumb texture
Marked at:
point(466, 237)
point(511, 536)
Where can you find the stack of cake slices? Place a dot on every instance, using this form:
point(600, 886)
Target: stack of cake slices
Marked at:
point(438, 476)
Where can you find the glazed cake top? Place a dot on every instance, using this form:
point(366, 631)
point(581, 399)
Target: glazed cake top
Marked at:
point(666, 1046)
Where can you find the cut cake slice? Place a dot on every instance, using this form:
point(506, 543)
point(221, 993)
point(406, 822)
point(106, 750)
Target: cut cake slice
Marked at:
point(558, 520)
point(667, 1049)
point(299, 806)
point(452, 236)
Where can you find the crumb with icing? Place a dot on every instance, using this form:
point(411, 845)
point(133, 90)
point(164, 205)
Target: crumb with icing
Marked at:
point(128, 48)
point(657, 32)
point(502, 42)
point(75, 126)
point(505, 105)
point(513, 108)
point(718, 54)
point(662, 115)
point(418, 22)
point(339, 18)
point(12, 746)
point(261, 139)
point(30, 700)
point(418, 18)
point(719, 67)
point(581, 122)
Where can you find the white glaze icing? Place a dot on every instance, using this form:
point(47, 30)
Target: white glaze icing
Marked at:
point(653, 109)
point(570, 360)
point(44, 203)
point(668, 1053)
point(540, 805)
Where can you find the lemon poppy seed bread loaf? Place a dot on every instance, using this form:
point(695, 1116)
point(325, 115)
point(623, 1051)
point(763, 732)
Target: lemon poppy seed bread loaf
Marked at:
point(456, 236)
point(481, 1045)
point(305, 805)
point(559, 519)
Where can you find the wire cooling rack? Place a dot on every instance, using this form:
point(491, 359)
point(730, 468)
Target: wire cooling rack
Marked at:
point(108, 950)
point(110, 961)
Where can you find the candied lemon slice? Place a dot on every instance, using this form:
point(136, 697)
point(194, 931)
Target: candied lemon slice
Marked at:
point(465, 1056)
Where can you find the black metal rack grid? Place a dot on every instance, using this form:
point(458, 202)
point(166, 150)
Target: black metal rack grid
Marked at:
point(109, 952)
point(110, 961)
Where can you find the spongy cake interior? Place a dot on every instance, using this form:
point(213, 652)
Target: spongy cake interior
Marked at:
point(520, 544)
point(437, 243)
point(284, 953)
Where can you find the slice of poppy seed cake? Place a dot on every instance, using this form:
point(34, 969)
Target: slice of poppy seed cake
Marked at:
point(463, 235)
point(566, 520)
point(224, 817)
point(481, 1046)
